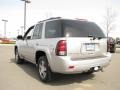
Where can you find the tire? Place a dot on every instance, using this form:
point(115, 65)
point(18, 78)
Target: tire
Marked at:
point(17, 57)
point(44, 70)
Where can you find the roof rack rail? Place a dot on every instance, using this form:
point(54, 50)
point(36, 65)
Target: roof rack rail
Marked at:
point(51, 18)
point(81, 19)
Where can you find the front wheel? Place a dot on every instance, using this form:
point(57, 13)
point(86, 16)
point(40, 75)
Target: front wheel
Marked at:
point(44, 71)
point(17, 57)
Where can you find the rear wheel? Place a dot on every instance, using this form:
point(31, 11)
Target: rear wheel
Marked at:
point(17, 57)
point(44, 71)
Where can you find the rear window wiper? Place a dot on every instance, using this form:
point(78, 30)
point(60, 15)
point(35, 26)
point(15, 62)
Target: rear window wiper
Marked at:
point(92, 37)
point(95, 37)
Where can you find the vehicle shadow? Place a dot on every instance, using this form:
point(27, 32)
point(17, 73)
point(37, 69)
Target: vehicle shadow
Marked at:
point(28, 68)
point(71, 78)
point(60, 79)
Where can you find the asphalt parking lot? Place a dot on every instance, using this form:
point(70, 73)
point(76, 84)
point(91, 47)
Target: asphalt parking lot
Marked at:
point(25, 77)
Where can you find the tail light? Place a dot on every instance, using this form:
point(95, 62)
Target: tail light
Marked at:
point(61, 48)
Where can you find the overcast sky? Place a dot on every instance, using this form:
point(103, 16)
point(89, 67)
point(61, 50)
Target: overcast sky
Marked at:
point(37, 10)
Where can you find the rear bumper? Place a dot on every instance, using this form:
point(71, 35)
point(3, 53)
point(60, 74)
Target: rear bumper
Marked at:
point(67, 66)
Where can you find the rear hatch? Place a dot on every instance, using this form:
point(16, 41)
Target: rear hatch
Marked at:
point(86, 48)
point(84, 39)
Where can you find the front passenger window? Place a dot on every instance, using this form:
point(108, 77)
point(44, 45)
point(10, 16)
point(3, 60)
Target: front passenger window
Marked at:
point(28, 34)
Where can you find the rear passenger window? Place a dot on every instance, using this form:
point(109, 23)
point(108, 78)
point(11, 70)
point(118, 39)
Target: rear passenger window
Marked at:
point(53, 29)
point(37, 34)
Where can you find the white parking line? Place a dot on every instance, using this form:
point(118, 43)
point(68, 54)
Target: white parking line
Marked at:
point(7, 44)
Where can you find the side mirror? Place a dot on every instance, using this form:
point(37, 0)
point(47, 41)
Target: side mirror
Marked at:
point(19, 37)
point(28, 37)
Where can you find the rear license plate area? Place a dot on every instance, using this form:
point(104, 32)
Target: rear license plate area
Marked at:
point(90, 46)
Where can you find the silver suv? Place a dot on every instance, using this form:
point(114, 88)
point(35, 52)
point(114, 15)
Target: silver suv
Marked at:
point(64, 46)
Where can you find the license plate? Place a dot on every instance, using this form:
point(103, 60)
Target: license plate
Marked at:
point(90, 46)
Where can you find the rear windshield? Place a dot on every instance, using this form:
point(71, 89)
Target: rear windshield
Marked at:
point(72, 28)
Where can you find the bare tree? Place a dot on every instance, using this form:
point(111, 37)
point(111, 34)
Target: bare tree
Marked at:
point(109, 20)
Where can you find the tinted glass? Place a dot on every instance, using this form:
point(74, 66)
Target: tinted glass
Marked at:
point(74, 28)
point(38, 31)
point(53, 29)
point(29, 32)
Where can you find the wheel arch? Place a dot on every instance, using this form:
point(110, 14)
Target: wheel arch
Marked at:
point(43, 53)
point(39, 54)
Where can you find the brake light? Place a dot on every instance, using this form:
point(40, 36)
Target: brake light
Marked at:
point(61, 48)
